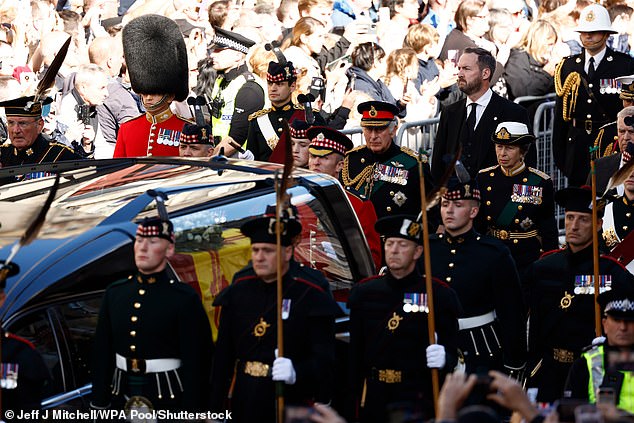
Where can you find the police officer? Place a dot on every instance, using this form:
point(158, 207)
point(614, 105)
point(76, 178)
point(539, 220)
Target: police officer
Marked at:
point(325, 154)
point(390, 354)
point(586, 93)
point(153, 340)
point(27, 144)
point(156, 57)
point(482, 272)
point(23, 374)
point(245, 366)
point(617, 306)
point(266, 125)
point(517, 203)
point(560, 296)
point(196, 141)
point(380, 170)
point(235, 94)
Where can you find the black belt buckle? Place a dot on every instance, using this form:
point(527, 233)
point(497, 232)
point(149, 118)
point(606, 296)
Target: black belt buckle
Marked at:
point(135, 365)
point(587, 124)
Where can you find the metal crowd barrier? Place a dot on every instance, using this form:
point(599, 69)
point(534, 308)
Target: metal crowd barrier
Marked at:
point(415, 135)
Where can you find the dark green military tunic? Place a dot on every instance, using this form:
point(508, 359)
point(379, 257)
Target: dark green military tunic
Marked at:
point(389, 180)
point(388, 339)
point(519, 210)
point(560, 297)
point(247, 339)
point(150, 317)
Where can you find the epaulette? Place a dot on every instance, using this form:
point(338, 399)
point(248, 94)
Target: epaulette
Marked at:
point(414, 154)
point(361, 147)
point(259, 113)
point(607, 257)
point(301, 107)
point(590, 347)
point(539, 173)
point(369, 278)
point(142, 115)
point(309, 283)
point(6, 143)
point(607, 124)
point(20, 339)
point(57, 144)
point(547, 253)
point(184, 119)
point(488, 169)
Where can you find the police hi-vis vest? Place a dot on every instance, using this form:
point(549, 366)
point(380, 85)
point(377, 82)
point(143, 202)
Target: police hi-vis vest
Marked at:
point(595, 361)
point(221, 122)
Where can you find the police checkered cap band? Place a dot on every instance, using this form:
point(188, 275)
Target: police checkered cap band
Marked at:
point(622, 306)
point(229, 43)
point(325, 143)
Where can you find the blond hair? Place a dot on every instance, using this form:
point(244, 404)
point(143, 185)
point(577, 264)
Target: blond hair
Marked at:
point(420, 35)
point(399, 60)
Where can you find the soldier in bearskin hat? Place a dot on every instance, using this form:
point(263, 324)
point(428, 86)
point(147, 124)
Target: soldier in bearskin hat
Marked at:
point(493, 325)
point(390, 354)
point(153, 345)
point(560, 296)
point(196, 141)
point(156, 57)
point(245, 366)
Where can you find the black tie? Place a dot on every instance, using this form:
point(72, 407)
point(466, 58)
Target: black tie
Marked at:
point(591, 69)
point(471, 119)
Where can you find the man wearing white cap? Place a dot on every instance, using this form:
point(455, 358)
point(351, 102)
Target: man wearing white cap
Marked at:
point(586, 93)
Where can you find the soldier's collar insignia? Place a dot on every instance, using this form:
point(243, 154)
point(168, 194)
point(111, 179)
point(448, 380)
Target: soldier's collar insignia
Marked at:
point(590, 17)
point(609, 58)
point(29, 151)
point(503, 134)
point(286, 108)
point(372, 112)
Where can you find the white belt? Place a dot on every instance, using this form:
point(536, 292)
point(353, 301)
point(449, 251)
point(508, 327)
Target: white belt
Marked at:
point(474, 322)
point(156, 365)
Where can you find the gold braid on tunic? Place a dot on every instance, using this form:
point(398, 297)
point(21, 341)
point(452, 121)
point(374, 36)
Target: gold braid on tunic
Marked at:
point(568, 91)
point(359, 179)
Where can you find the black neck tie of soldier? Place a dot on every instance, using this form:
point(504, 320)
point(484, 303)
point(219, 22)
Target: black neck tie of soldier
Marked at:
point(591, 69)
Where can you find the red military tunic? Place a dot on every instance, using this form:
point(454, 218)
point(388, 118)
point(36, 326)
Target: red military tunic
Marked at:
point(150, 135)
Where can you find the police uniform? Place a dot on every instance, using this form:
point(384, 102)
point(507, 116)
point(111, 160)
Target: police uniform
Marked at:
point(43, 150)
point(584, 105)
point(153, 341)
point(482, 272)
point(266, 126)
point(325, 141)
point(23, 375)
point(235, 94)
point(584, 384)
point(560, 296)
point(247, 335)
point(517, 205)
point(389, 336)
point(157, 132)
point(390, 180)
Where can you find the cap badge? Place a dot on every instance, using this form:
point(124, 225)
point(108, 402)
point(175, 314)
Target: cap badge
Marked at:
point(503, 134)
point(590, 17)
point(372, 112)
point(320, 136)
point(203, 133)
point(413, 230)
point(467, 190)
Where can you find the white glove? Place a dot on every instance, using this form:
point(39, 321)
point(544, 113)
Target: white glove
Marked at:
point(598, 340)
point(284, 371)
point(247, 155)
point(435, 356)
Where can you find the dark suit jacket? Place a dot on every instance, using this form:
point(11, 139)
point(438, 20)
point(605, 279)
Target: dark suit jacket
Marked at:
point(453, 123)
point(605, 167)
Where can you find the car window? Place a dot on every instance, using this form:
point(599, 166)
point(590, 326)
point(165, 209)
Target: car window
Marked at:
point(37, 329)
point(80, 320)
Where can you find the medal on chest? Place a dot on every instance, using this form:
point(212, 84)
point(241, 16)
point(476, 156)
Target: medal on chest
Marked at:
point(9, 375)
point(584, 284)
point(527, 194)
point(286, 308)
point(392, 174)
point(168, 137)
point(414, 302)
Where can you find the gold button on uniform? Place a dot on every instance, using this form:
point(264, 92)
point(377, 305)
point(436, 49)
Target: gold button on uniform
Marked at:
point(517, 221)
point(134, 318)
point(392, 193)
point(448, 278)
point(132, 333)
point(132, 347)
point(515, 241)
point(141, 291)
point(488, 217)
point(628, 214)
point(488, 202)
point(453, 251)
point(488, 188)
point(388, 209)
point(362, 160)
point(491, 174)
point(625, 228)
point(451, 265)
point(137, 305)
point(525, 180)
point(520, 207)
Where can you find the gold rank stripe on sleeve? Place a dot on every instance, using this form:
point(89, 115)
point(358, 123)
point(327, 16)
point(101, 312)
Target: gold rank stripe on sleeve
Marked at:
point(259, 113)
